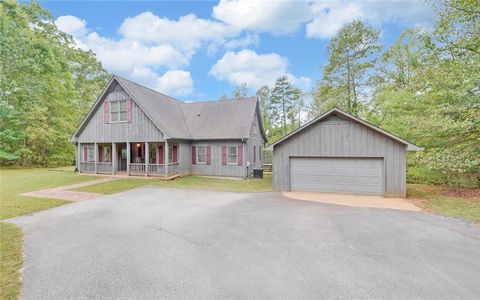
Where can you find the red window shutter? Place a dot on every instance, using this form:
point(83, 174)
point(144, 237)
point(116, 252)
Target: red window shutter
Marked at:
point(85, 155)
point(208, 155)
point(106, 108)
point(194, 155)
point(100, 153)
point(160, 154)
point(224, 155)
point(129, 114)
point(174, 154)
point(240, 155)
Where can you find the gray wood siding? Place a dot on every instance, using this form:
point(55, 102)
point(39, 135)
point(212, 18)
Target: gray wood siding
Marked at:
point(338, 137)
point(216, 168)
point(140, 129)
point(185, 157)
point(254, 142)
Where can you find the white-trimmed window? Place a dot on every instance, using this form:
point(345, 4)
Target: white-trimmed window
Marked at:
point(118, 110)
point(170, 154)
point(201, 155)
point(254, 154)
point(90, 152)
point(232, 155)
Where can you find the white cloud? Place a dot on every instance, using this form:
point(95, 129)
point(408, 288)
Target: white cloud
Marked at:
point(124, 55)
point(277, 17)
point(256, 70)
point(407, 12)
point(331, 17)
point(186, 34)
point(136, 58)
point(176, 82)
point(72, 25)
point(248, 40)
point(322, 18)
point(172, 82)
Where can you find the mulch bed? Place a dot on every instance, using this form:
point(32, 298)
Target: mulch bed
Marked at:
point(463, 193)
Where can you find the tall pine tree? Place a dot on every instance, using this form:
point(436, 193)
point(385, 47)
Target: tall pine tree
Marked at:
point(283, 101)
point(352, 54)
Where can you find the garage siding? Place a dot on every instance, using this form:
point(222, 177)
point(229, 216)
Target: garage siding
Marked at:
point(339, 137)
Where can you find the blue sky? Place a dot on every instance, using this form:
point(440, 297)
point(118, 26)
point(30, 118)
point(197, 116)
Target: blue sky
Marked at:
point(201, 50)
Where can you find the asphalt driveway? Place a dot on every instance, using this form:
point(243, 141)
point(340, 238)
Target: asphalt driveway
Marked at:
point(171, 243)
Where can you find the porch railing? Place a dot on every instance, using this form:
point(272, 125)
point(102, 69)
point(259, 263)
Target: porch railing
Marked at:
point(137, 169)
point(87, 166)
point(104, 167)
point(173, 168)
point(156, 169)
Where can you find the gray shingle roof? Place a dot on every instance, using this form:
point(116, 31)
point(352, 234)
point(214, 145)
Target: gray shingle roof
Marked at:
point(164, 111)
point(221, 119)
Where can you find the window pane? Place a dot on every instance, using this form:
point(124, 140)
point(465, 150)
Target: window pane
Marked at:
point(114, 116)
point(232, 155)
point(232, 150)
point(106, 153)
point(114, 106)
point(90, 154)
point(123, 105)
point(123, 116)
point(232, 159)
point(201, 154)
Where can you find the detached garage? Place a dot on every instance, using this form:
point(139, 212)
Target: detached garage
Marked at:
point(340, 153)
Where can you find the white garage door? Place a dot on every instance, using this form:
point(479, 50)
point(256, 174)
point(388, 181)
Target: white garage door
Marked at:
point(337, 175)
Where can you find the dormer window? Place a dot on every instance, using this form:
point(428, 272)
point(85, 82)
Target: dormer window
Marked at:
point(118, 110)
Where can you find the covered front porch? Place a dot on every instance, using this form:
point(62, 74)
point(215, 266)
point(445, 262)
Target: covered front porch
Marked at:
point(129, 158)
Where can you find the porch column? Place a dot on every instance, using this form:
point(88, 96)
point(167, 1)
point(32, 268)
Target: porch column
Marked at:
point(114, 158)
point(79, 157)
point(165, 158)
point(95, 155)
point(128, 158)
point(147, 154)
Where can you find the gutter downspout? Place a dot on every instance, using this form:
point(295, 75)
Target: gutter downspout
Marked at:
point(244, 154)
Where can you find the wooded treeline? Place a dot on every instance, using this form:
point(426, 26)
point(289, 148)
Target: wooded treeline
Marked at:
point(425, 88)
point(46, 86)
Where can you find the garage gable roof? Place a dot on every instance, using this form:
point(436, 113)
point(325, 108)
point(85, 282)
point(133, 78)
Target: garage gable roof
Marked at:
point(341, 113)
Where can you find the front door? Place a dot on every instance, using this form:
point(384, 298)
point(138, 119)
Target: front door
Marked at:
point(122, 157)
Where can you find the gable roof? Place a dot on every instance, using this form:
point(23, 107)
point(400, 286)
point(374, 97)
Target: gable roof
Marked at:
point(221, 119)
point(164, 111)
point(341, 113)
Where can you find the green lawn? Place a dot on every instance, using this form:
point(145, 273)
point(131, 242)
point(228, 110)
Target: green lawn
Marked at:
point(12, 183)
point(195, 182)
point(10, 260)
point(434, 198)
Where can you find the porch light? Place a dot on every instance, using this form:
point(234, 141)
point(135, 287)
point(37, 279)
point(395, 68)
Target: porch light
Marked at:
point(138, 145)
